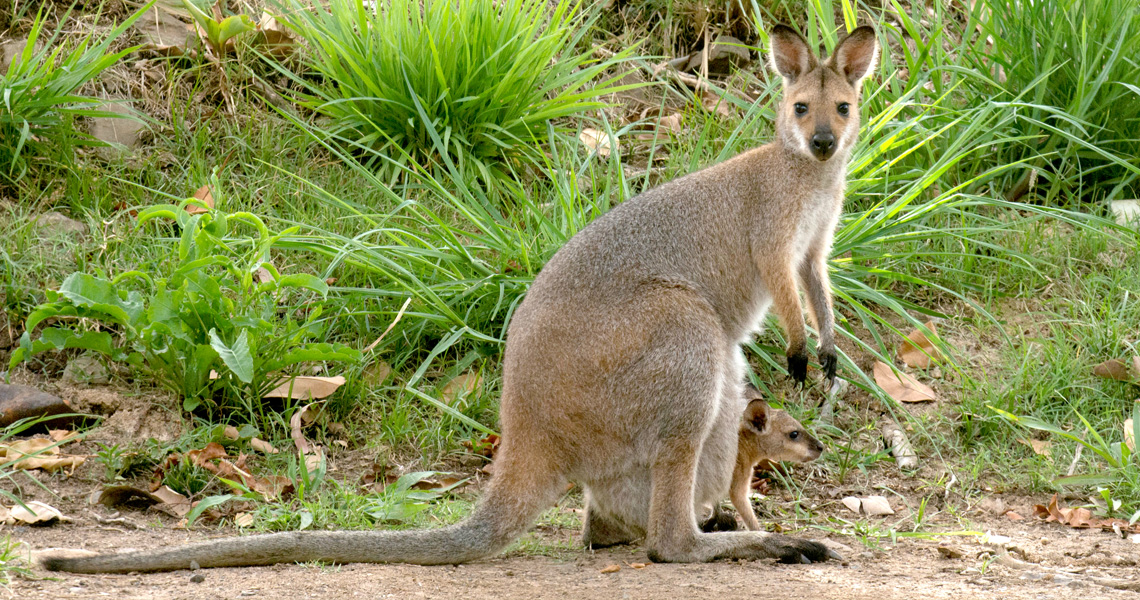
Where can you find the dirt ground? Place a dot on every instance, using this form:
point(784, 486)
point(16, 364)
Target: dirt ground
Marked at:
point(1041, 561)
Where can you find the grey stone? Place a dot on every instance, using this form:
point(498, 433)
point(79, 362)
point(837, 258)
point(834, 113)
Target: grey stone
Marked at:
point(85, 370)
point(8, 53)
point(164, 33)
point(54, 224)
point(122, 133)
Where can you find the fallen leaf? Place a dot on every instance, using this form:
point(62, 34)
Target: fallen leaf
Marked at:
point(460, 387)
point(243, 519)
point(1013, 516)
point(638, 565)
point(212, 451)
point(113, 496)
point(596, 141)
point(1113, 369)
point(1081, 518)
point(376, 373)
point(306, 387)
point(231, 432)
point(274, 38)
point(610, 569)
point(671, 123)
point(1129, 434)
point(63, 436)
point(263, 446)
point(1039, 446)
point(487, 446)
point(917, 351)
point(35, 512)
point(875, 506)
point(852, 503)
point(901, 386)
point(301, 419)
point(714, 103)
point(206, 196)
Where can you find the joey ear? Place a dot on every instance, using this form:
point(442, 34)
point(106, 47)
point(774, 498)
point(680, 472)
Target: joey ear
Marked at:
point(756, 415)
point(789, 54)
point(856, 55)
point(751, 393)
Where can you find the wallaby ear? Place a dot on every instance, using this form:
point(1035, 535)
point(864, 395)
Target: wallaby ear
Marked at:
point(756, 415)
point(789, 54)
point(856, 55)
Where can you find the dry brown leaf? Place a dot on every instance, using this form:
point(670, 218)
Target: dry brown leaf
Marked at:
point(231, 432)
point(487, 446)
point(901, 386)
point(275, 39)
point(1080, 518)
point(263, 446)
point(596, 141)
point(610, 569)
point(306, 387)
point(671, 123)
point(376, 373)
point(1129, 435)
point(38, 446)
point(200, 458)
point(1039, 446)
point(1119, 369)
point(63, 436)
point(714, 103)
point(301, 419)
point(852, 503)
point(917, 351)
point(172, 501)
point(460, 387)
point(638, 565)
point(243, 519)
point(206, 196)
point(1013, 516)
point(875, 506)
point(117, 495)
point(43, 514)
point(51, 464)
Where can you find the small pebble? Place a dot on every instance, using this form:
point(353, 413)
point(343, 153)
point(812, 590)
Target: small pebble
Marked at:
point(194, 565)
point(197, 578)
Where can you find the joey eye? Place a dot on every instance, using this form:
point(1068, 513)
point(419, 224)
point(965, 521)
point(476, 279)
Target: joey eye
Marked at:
point(843, 108)
point(795, 435)
point(801, 109)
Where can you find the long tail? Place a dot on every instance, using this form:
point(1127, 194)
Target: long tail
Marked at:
point(512, 502)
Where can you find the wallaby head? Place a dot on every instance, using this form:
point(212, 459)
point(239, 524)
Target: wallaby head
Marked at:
point(819, 115)
point(772, 434)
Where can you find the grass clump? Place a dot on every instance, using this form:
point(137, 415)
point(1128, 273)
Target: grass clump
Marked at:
point(434, 82)
point(39, 105)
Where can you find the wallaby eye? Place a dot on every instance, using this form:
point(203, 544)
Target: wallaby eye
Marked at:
point(843, 108)
point(801, 109)
point(795, 435)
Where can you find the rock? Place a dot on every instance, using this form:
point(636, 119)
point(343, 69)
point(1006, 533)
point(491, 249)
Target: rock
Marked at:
point(197, 578)
point(121, 133)
point(21, 401)
point(55, 225)
point(8, 53)
point(164, 34)
point(87, 369)
point(1127, 212)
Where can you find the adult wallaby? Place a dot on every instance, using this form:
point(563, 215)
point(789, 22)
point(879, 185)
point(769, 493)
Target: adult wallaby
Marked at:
point(766, 434)
point(622, 370)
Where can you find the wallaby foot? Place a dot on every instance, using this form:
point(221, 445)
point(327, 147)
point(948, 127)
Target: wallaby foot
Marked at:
point(720, 520)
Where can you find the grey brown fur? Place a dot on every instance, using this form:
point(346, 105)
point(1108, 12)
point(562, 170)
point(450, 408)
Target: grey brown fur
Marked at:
point(622, 370)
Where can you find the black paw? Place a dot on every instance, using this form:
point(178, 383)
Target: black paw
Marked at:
point(797, 366)
point(828, 362)
point(792, 550)
point(720, 520)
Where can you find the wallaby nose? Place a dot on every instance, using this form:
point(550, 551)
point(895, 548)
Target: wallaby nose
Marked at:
point(822, 144)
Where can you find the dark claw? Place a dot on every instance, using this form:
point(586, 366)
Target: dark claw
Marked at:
point(805, 560)
point(828, 362)
point(797, 367)
point(833, 555)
